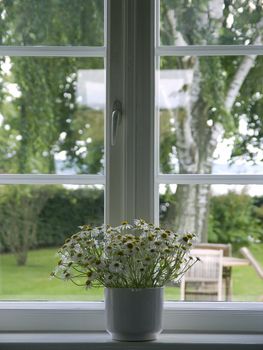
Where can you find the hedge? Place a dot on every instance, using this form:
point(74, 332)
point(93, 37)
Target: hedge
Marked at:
point(64, 210)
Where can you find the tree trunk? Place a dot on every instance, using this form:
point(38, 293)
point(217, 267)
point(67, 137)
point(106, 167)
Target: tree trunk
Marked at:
point(21, 258)
point(196, 141)
point(194, 149)
point(23, 151)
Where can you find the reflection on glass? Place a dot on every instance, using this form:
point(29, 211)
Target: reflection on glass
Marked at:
point(35, 221)
point(210, 111)
point(226, 216)
point(209, 22)
point(52, 115)
point(52, 22)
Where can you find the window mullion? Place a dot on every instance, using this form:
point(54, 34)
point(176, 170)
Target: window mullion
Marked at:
point(140, 83)
point(130, 162)
point(115, 91)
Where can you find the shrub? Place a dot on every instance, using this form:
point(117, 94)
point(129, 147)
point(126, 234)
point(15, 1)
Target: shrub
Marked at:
point(41, 216)
point(19, 210)
point(231, 219)
point(66, 210)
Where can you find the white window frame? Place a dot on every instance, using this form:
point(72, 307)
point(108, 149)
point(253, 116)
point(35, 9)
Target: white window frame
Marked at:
point(132, 177)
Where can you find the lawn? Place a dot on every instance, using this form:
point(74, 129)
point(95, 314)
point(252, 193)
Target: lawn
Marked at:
point(247, 286)
point(31, 282)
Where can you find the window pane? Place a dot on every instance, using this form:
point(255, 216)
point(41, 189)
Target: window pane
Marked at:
point(224, 22)
point(35, 221)
point(210, 112)
point(52, 22)
point(52, 115)
point(228, 217)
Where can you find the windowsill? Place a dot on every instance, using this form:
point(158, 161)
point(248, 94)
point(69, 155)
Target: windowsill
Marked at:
point(102, 340)
point(180, 317)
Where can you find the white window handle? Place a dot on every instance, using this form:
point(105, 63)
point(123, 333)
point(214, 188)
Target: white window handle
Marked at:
point(115, 120)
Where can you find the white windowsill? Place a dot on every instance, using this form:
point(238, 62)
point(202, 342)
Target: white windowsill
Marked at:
point(103, 340)
point(180, 317)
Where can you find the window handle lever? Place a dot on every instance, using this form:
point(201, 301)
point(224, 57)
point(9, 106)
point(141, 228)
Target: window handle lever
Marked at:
point(115, 120)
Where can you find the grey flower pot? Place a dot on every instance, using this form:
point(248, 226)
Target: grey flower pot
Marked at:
point(134, 314)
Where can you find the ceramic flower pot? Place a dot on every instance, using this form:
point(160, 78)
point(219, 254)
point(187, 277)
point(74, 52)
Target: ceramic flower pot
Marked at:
point(134, 314)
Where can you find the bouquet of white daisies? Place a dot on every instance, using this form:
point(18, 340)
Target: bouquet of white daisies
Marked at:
point(138, 255)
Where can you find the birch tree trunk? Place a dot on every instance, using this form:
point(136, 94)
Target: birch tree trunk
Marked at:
point(196, 141)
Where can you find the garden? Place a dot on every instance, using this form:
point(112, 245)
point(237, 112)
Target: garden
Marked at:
point(25, 267)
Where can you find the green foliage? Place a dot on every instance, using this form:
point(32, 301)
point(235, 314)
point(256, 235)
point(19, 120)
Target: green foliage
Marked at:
point(214, 94)
point(67, 209)
point(19, 210)
point(231, 219)
point(244, 28)
point(188, 21)
point(167, 208)
point(46, 108)
point(248, 108)
point(84, 144)
point(33, 216)
point(47, 103)
point(197, 27)
point(258, 214)
point(191, 21)
point(54, 22)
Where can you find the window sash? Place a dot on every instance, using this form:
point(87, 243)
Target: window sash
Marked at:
point(198, 51)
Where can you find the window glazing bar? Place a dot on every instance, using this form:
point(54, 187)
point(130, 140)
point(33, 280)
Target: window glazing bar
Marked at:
point(53, 51)
point(210, 50)
point(189, 179)
point(48, 179)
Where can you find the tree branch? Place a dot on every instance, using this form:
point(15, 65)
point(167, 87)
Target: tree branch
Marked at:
point(240, 76)
point(177, 36)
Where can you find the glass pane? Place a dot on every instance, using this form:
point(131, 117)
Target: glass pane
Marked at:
point(35, 221)
point(223, 22)
point(228, 217)
point(210, 112)
point(52, 115)
point(52, 22)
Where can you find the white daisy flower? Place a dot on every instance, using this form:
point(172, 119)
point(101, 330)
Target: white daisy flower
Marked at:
point(98, 264)
point(108, 279)
point(114, 252)
point(95, 232)
point(124, 226)
point(88, 284)
point(92, 275)
point(67, 275)
point(115, 266)
point(147, 261)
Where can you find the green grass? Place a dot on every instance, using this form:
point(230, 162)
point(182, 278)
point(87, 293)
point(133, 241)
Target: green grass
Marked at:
point(31, 282)
point(247, 285)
